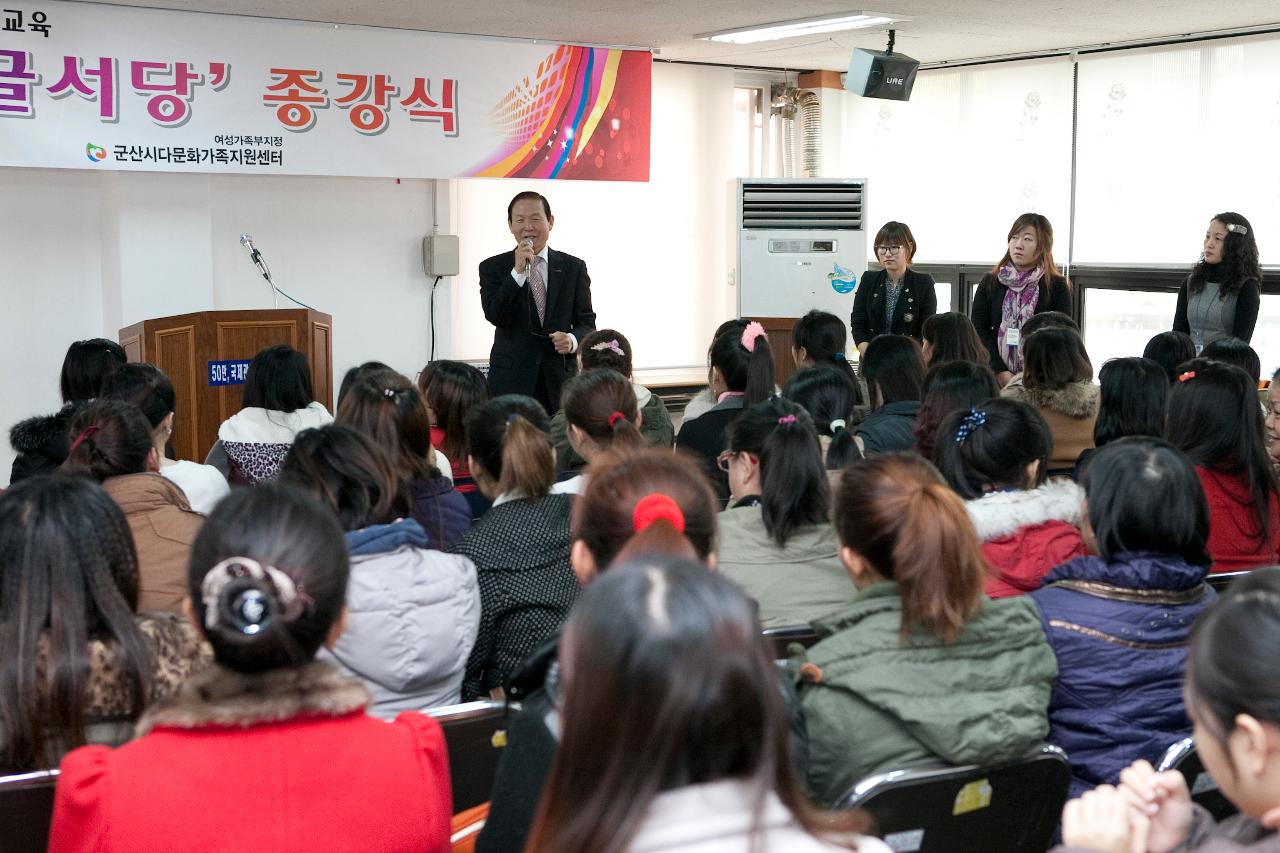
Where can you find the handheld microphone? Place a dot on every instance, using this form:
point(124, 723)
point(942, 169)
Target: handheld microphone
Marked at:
point(256, 257)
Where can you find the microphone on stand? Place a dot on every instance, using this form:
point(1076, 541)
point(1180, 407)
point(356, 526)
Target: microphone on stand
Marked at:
point(256, 257)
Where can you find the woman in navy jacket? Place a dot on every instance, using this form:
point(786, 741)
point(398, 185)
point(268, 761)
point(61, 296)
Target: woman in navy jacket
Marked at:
point(894, 300)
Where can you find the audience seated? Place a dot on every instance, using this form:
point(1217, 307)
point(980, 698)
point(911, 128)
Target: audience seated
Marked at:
point(1043, 320)
point(611, 349)
point(705, 399)
point(994, 456)
point(602, 412)
point(147, 387)
point(950, 336)
point(665, 660)
point(776, 539)
point(1170, 350)
point(1213, 418)
point(1237, 352)
point(79, 666)
point(413, 612)
point(278, 404)
point(741, 376)
point(451, 389)
point(1057, 379)
point(270, 749)
point(921, 668)
point(818, 339)
point(113, 445)
point(1119, 622)
point(1233, 699)
point(948, 387)
point(372, 367)
point(1131, 401)
point(894, 371)
point(830, 397)
point(520, 546)
point(642, 504)
point(41, 442)
point(387, 407)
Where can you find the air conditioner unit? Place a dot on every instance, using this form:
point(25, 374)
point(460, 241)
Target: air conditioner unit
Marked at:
point(802, 244)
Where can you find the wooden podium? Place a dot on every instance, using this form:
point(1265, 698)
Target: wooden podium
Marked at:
point(185, 346)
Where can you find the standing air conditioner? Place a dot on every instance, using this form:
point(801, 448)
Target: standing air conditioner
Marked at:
point(801, 245)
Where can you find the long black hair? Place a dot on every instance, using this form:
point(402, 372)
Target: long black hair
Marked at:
point(991, 446)
point(279, 380)
point(345, 469)
point(948, 386)
point(824, 337)
point(829, 396)
point(1134, 391)
point(951, 336)
point(793, 484)
point(747, 370)
point(1239, 258)
point(86, 365)
point(894, 369)
point(1237, 352)
point(145, 386)
point(1213, 416)
point(1169, 350)
point(68, 575)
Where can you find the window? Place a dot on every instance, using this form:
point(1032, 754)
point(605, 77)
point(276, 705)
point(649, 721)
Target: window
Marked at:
point(1118, 323)
point(748, 131)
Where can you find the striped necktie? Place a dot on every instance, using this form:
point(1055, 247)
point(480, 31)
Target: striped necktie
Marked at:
point(538, 286)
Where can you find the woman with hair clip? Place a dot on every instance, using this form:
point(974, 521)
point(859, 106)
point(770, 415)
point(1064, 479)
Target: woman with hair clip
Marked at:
point(948, 387)
point(278, 404)
point(1220, 297)
point(521, 545)
point(387, 407)
point(911, 670)
point(1213, 417)
point(1057, 379)
point(829, 396)
point(776, 538)
point(716, 773)
point(818, 339)
point(1232, 695)
point(113, 444)
point(893, 300)
point(79, 666)
point(647, 503)
point(894, 371)
point(414, 611)
point(950, 336)
point(270, 749)
point(602, 412)
point(608, 348)
point(451, 389)
point(1119, 622)
point(1024, 283)
point(993, 455)
point(741, 376)
point(1131, 402)
point(147, 387)
point(40, 443)
point(1169, 350)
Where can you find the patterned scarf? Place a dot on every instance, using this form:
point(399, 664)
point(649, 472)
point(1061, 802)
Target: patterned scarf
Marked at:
point(1019, 305)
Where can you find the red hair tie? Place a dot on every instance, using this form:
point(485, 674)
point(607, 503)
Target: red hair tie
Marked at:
point(615, 417)
point(1183, 377)
point(84, 435)
point(657, 507)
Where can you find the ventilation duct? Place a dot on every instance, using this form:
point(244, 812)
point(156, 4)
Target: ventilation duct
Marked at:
point(811, 134)
point(783, 103)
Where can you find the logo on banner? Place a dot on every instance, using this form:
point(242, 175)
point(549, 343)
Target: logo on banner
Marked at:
point(842, 280)
point(95, 153)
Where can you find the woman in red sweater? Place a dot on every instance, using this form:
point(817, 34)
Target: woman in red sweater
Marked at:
point(1213, 417)
point(270, 750)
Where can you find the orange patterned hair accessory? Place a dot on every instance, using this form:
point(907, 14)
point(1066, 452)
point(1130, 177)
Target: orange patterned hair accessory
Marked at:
point(657, 507)
point(1183, 377)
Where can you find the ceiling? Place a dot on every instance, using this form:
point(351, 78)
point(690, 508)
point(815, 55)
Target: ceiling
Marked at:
point(938, 30)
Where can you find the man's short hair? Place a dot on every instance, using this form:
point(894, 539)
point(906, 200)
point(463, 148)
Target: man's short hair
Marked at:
point(530, 195)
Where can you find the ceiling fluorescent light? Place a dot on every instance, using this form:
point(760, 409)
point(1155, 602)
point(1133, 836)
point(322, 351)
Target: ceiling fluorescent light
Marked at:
point(801, 27)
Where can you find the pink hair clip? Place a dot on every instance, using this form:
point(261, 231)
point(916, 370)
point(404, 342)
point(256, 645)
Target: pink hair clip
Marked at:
point(787, 419)
point(750, 333)
point(609, 345)
point(1183, 377)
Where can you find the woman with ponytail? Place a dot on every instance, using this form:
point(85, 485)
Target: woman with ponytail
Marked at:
point(269, 749)
point(520, 546)
point(112, 443)
point(921, 667)
point(602, 413)
point(818, 339)
point(831, 398)
point(776, 540)
point(741, 376)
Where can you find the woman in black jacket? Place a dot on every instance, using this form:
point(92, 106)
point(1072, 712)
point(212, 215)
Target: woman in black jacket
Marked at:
point(1025, 282)
point(894, 300)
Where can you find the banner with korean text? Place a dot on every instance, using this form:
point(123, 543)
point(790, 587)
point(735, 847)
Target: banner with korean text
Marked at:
point(90, 86)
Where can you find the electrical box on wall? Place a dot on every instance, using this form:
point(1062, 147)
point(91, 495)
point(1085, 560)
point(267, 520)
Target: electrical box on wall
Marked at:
point(440, 255)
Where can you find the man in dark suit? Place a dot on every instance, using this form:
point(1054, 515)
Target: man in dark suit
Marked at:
point(540, 301)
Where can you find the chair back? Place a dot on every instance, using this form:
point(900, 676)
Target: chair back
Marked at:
point(1182, 757)
point(1220, 581)
point(1010, 808)
point(783, 636)
point(26, 811)
point(475, 733)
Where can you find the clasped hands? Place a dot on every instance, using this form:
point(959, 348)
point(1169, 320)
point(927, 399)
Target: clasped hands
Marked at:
point(1148, 812)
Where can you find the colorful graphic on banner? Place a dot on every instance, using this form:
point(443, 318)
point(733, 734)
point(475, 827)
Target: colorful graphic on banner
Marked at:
point(146, 89)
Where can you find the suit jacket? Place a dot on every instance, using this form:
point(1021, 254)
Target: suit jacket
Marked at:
point(917, 301)
point(988, 305)
point(522, 347)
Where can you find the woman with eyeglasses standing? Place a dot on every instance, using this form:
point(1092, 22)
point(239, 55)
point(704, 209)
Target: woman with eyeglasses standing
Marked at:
point(894, 300)
point(1026, 282)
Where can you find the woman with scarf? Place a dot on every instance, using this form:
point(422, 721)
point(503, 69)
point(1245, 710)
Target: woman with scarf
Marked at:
point(1026, 282)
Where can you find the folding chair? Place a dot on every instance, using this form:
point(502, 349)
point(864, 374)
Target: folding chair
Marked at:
point(783, 636)
point(1223, 580)
point(474, 733)
point(1182, 757)
point(26, 811)
point(1011, 808)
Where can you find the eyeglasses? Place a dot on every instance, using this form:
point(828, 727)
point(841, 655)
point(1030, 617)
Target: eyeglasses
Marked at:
point(723, 460)
point(888, 250)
